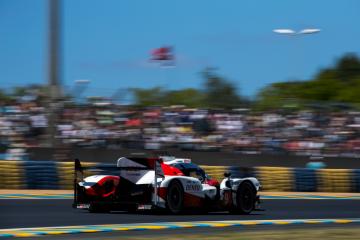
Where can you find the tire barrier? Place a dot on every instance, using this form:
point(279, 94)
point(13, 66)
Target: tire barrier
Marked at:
point(334, 180)
point(66, 173)
point(241, 172)
point(41, 174)
point(305, 180)
point(12, 175)
point(60, 175)
point(216, 172)
point(275, 178)
point(356, 180)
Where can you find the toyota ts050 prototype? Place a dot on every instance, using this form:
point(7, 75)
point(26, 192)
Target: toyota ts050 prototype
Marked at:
point(167, 183)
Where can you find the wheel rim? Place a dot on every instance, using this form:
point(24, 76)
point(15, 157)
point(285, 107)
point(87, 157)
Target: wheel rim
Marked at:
point(247, 199)
point(175, 197)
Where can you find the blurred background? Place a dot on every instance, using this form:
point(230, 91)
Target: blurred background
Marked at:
point(253, 80)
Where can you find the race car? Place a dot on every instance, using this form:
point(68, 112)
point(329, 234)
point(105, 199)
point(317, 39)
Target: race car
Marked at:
point(163, 183)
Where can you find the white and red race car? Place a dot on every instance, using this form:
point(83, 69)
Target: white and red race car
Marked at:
point(167, 183)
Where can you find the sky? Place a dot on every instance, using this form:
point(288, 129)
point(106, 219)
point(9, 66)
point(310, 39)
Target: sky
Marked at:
point(109, 42)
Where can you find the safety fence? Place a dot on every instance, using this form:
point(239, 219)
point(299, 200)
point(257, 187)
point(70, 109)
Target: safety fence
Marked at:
point(60, 175)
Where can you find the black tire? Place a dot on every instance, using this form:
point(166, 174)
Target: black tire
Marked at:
point(245, 198)
point(132, 208)
point(98, 208)
point(175, 197)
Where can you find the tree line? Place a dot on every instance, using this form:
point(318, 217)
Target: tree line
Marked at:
point(337, 85)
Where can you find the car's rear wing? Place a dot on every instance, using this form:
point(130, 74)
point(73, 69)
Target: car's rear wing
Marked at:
point(123, 164)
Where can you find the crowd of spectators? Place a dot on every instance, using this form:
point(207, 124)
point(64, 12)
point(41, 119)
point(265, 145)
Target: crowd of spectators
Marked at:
point(24, 124)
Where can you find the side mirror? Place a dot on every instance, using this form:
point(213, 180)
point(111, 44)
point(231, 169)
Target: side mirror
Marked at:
point(227, 174)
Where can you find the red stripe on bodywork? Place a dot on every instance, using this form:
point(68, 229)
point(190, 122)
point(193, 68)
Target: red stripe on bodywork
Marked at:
point(162, 192)
point(98, 189)
point(191, 201)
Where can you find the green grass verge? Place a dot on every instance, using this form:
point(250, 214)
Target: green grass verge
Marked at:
point(298, 234)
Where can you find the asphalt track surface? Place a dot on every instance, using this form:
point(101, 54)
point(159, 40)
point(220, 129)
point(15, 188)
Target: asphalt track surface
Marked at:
point(21, 213)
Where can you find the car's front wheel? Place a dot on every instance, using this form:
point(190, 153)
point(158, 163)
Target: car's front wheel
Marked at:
point(175, 197)
point(245, 198)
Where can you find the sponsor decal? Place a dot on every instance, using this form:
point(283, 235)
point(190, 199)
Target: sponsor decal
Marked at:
point(144, 207)
point(83, 206)
point(192, 187)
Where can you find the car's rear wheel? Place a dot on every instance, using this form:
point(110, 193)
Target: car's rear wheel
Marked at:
point(95, 207)
point(175, 197)
point(132, 208)
point(245, 198)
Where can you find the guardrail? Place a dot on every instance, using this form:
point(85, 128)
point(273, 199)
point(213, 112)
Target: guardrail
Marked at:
point(59, 175)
